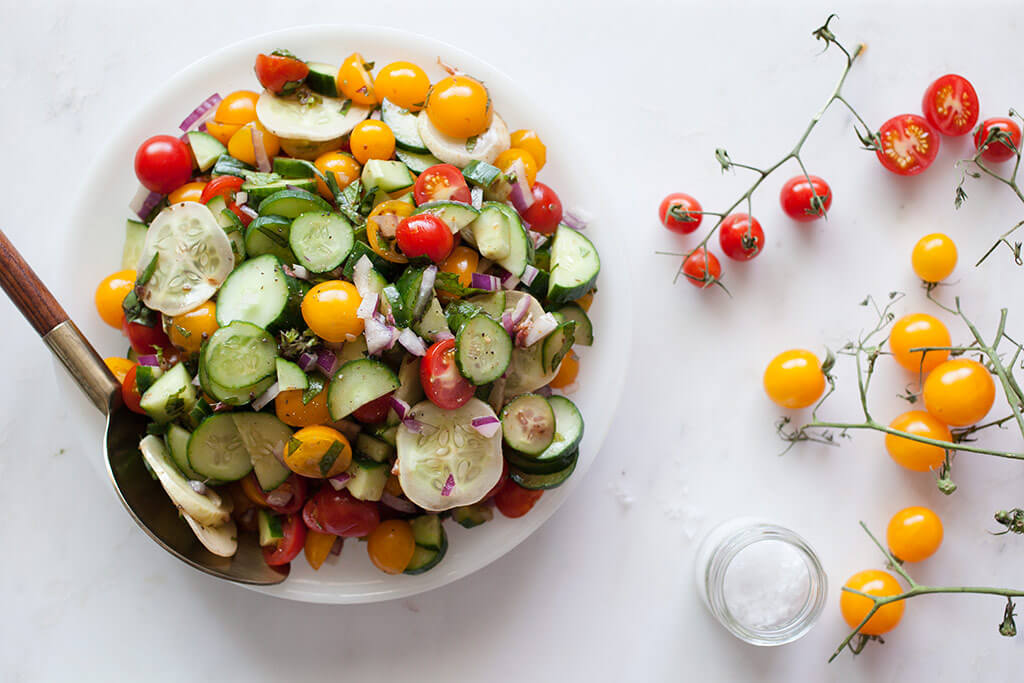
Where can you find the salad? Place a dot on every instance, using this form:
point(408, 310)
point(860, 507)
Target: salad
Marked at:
point(352, 309)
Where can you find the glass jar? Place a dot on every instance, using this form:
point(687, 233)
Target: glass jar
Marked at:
point(762, 582)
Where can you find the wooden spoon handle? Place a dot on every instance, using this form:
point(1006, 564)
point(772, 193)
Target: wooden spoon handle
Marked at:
point(27, 291)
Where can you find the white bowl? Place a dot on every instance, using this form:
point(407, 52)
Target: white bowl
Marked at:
point(93, 249)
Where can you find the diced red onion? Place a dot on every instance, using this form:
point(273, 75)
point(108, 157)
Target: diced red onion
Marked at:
point(443, 335)
point(338, 481)
point(476, 197)
point(569, 389)
point(412, 342)
point(203, 111)
point(400, 407)
point(241, 197)
point(521, 195)
point(506, 322)
point(296, 271)
point(543, 391)
point(541, 327)
point(398, 504)
point(509, 281)
point(379, 335)
point(339, 543)
point(413, 425)
point(368, 306)
point(144, 201)
point(521, 309)
point(195, 381)
point(307, 361)
point(327, 362)
point(280, 496)
point(487, 426)
point(576, 218)
point(248, 210)
point(149, 361)
point(387, 223)
point(449, 486)
point(538, 239)
point(260, 150)
point(529, 275)
point(198, 486)
point(427, 282)
point(484, 281)
point(219, 407)
point(361, 276)
point(266, 397)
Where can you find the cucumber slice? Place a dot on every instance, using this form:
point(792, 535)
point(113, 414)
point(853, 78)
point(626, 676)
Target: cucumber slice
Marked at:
point(481, 174)
point(472, 515)
point(492, 304)
point(358, 382)
point(205, 148)
point(413, 298)
point(321, 79)
point(584, 332)
point(269, 235)
point(233, 397)
point(520, 247)
point(257, 192)
point(428, 531)
point(388, 176)
point(146, 376)
point(483, 350)
point(294, 169)
point(410, 389)
point(460, 152)
point(293, 203)
point(192, 256)
point(290, 376)
point(324, 121)
point(231, 224)
point(206, 508)
point(455, 215)
point(134, 238)
point(388, 434)
point(176, 440)
point(368, 478)
point(240, 355)
point(544, 481)
point(371, 448)
point(459, 312)
point(447, 447)
point(424, 558)
point(417, 163)
point(265, 437)
point(353, 350)
point(557, 344)
point(432, 323)
point(405, 125)
point(526, 371)
point(492, 232)
point(216, 449)
point(528, 424)
point(575, 265)
point(259, 292)
point(564, 445)
point(170, 396)
point(271, 530)
point(321, 240)
point(198, 413)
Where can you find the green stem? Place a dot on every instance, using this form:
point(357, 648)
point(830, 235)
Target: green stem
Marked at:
point(1011, 394)
point(948, 445)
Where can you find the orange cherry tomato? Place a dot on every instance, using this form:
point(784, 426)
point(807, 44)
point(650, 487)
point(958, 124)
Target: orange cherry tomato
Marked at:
point(567, 372)
point(189, 330)
point(318, 547)
point(329, 309)
point(355, 82)
point(242, 144)
point(119, 367)
point(110, 295)
point(914, 331)
point(318, 452)
point(794, 379)
point(914, 455)
point(463, 261)
point(342, 165)
point(460, 107)
point(529, 141)
point(371, 139)
point(293, 412)
point(403, 83)
point(855, 607)
point(959, 392)
point(381, 245)
point(189, 192)
point(586, 301)
point(914, 534)
point(934, 257)
point(238, 108)
point(511, 156)
point(222, 131)
point(391, 546)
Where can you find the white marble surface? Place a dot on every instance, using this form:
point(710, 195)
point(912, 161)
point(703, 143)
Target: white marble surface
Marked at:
point(604, 590)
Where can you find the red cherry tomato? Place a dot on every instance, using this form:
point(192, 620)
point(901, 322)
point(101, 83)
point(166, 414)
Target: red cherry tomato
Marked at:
point(442, 181)
point(441, 380)
point(287, 547)
point(424, 235)
point(297, 486)
point(373, 412)
point(338, 513)
point(130, 392)
point(280, 74)
point(797, 198)
point(226, 186)
point(741, 237)
point(163, 163)
point(501, 482)
point(701, 268)
point(909, 144)
point(680, 213)
point(515, 501)
point(145, 340)
point(545, 213)
point(998, 150)
point(951, 105)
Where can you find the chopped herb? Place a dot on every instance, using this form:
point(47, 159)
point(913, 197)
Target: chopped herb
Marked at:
point(308, 98)
point(293, 445)
point(471, 143)
point(157, 429)
point(274, 236)
point(363, 90)
point(136, 312)
point(348, 199)
point(345, 106)
point(419, 105)
point(448, 283)
point(259, 178)
point(175, 406)
point(330, 457)
point(316, 385)
point(148, 272)
point(280, 52)
point(293, 343)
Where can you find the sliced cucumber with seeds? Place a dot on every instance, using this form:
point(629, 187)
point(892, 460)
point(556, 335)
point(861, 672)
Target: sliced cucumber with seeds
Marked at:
point(265, 437)
point(357, 383)
point(205, 149)
point(240, 355)
point(417, 163)
point(269, 235)
point(483, 350)
point(292, 203)
point(260, 293)
point(492, 232)
point(372, 448)
point(321, 79)
point(321, 240)
point(324, 120)
point(526, 372)
point(367, 479)
point(557, 344)
point(432, 323)
point(584, 332)
point(455, 215)
point(492, 304)
point(431, 544)
point(461, 151)
point(405, 125)
point(257, 192)
point(232, 397)
point(216, 449)
point(290, 376)
point(520, 247)
point(387, 176)
point(575, 265)
point(538, 482)
point(566, 441)
point(528, 424)
point(176, 439)
point(170, 396)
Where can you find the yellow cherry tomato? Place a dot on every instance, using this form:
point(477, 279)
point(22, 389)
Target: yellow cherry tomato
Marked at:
point(510, 156)
point(914, 534)
point(329, 309)
point(189, 330)
point(242, 147)
point(293, 412)
point(403, 83)
point(189, 192)
point(318, 451)
point(238, 108)
point(393, 486)
point(110, 295)
point(119, 367)
point(253, 491)
point(567, 372)
point(381, 245)
point(344, 168)
point(934, 257)
point(959, 392)
point(462, 261)
point(914, 455)
point(318, 547)
point(586, 301)
point(855, 607)
point(915, 331)
point(794, 379)
point(529, 140)
point(354, 80)
point(460, 107)
point(391, 546)
point(222, 131)
point(371, 139)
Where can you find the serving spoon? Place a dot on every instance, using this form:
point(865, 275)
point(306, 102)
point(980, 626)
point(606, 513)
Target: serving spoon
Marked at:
point(140, 492)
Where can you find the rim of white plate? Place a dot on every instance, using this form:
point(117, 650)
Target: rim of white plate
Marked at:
point(95, 226)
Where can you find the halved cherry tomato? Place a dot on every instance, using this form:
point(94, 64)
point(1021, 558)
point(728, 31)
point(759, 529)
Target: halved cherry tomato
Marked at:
point(242, 144)
point(798, 198)
point(701, 268)
point(529, 140)
point(130, 392)
point(545, 213)
point(463, 261)
point(292, 492)
point(424, 235)
point(441, 181)
point(391, 546)
point(226, 186)
point(344, 167)
point(145, 340)
point(515, 501)
point(119, 367)
point(1004, 146)
point(373, 412)
point(290, 545)
point(163, 163)
point(679, 212)
point(280, 73)
point(951, 105)
point(355, 82)
point(510, 156)
point(909, 144)
point(318, 547)
point(293, 412)
point(110, 296)
point(189, 192)
point(188, 331)
point(567, 371)
point(338, 513)
point(741, 237)
point(441, 380)
point(382, 245)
